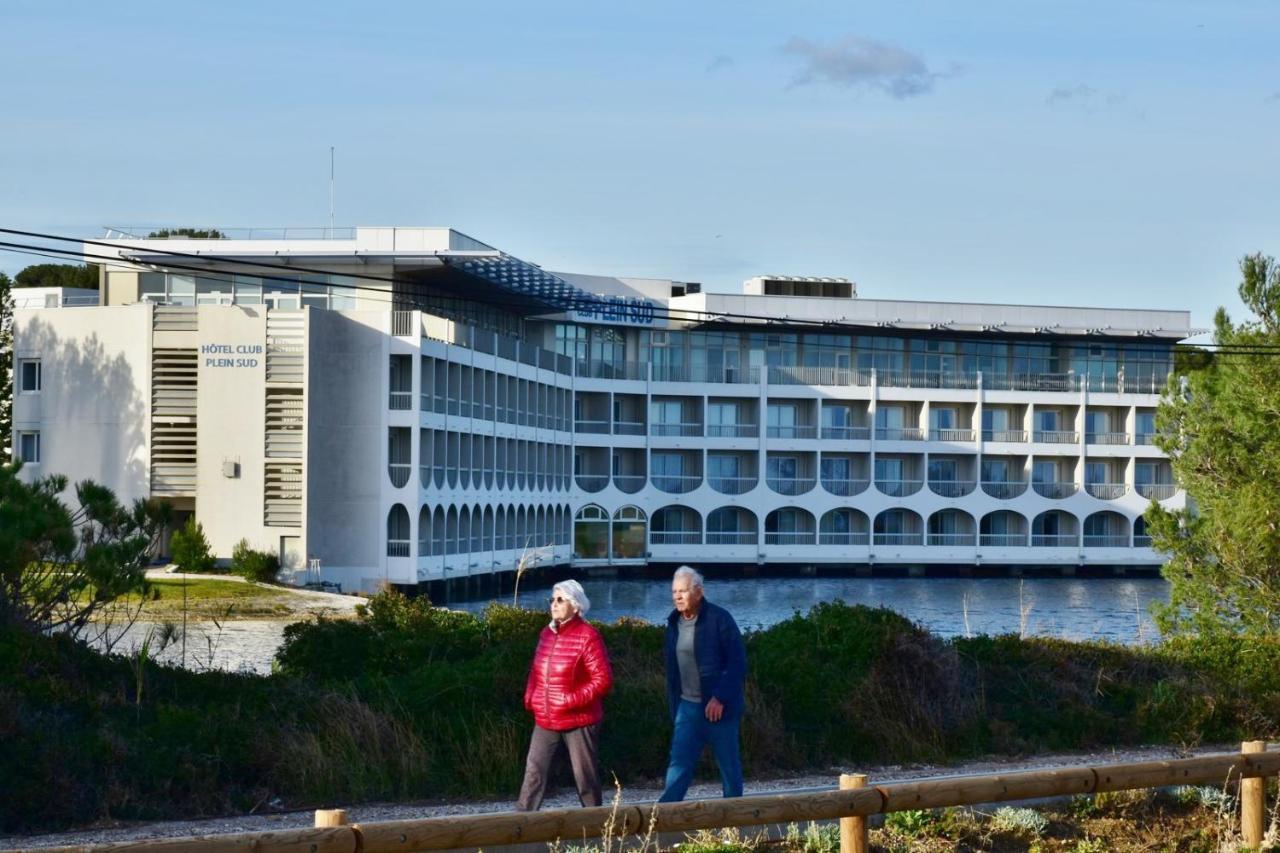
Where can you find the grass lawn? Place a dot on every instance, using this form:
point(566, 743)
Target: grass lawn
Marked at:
point(212, 599)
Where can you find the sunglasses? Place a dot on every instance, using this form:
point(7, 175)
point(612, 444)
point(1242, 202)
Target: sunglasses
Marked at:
point(558, 599)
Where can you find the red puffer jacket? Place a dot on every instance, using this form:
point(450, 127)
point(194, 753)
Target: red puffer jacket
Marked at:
point(570, 674)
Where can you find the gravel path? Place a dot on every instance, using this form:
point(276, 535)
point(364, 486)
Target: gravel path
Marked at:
point(372, 812)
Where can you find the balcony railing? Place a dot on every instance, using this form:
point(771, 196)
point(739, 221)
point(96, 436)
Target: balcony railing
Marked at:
point(1056, 491)
point(591, 427)
point(791, 485)
point(899, 488)
point(1106, 491)
point(951, 435)
point(789, 538)
point(836, 376)
point(732, 430)
point(399, 473)
point(628, 427)
point(845, 487)
point(1057, 436)
point(675, 537)
point(732, 485)
point(1008, 435)
point(629, 483)
point(732, 537)
point(847, 433)
point(926, 379)
point(1144, 438)
point(397, 547)
point(612, 370)
point(850, 538)
point(792, 432)
point(683, 429)
point(898, 539)
point(704, 373)
point(1004, 489)
point(676, 485)
point(1031, 382)
point(952, 488)
point(591, 482)
point(400, 401)
point(1141, 541)
point(899, 434)
point(1106, 541)
point(1157, 491)
point(1053, 540)
point(1003, 540)
point(1106, 438)
point(953, 540)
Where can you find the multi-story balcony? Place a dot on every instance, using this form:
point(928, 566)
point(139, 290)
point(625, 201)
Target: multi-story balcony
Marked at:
point(855, 538)
point(898, 488)
point(591, 482)
point(736, 537)
point(899, 434)
point(1106, 438)
point(591, 427)
point(1057, 436)
point(732, 485)
point(1002, 540)
point(952, 540)
point(1156, 491)
point(1053, 540)
point(1006, 435)
point(629, 483)
point(957, 435)
point(676, 484)
point(629, 427)
point(733, 430)
point(1056, 491)
point(845, 486)
point(1109, 540)
point(792, 431)
point(1004, 489)
point(675, 429)
point(847, 433)
point(791, 485)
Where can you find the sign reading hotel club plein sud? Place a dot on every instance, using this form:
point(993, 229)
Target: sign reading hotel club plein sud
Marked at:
point(231, 355)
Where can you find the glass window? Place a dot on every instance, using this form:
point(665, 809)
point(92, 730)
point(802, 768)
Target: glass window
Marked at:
point(29, 447)
point(342, 293)
point(1044, 472)
point(783, 467)
point(835, 470)
point(725, 467)
point(944, 418)
point(1146, 423)
point(29, 375)
point(995, 470)
point(182, 290)
point(1096, 472)
point(942, 470)
point(836, 416)
point(722, 414)
point(152, 287)
point(1047, 421)
point(891, 417)
point(782, 415)
point(889, 469)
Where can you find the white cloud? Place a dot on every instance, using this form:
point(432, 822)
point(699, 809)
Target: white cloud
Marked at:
point(856, 61)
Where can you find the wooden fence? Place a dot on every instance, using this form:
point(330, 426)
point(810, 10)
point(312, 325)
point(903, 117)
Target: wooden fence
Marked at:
point(851, 803)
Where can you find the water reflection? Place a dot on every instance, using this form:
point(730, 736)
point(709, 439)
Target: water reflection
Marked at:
point(1115, 609)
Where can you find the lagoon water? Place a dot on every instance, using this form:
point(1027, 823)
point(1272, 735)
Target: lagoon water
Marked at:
point(1114, 609)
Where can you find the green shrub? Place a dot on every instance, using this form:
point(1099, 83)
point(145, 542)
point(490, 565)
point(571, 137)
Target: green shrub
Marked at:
point(190, 548)
point(260, 566)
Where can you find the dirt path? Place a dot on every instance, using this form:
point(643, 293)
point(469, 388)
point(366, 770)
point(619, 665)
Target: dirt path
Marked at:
point(372, 812)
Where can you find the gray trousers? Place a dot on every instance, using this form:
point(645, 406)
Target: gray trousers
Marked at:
point(583, 745)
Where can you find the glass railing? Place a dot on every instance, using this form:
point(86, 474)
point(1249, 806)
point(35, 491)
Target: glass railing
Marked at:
point(952, 488)
point(676, 485)
point(899, 488)
point(792, 432)
point(1157, 491)
point(675, 537)
point(1106, 491)
point(847, 433)
point(1056, 491)
point(1106, 541)
point(704, 373)
point(1003, 540)
point(952, 540)
point(789, 538)
point(731, 537)
point(629, 483)
point(629, 427)
point(845, 487)
point(850, 538)
point(1007, 435)
point(899, 539)
point(1004, 489)
point(1054, 540)
point(593, 427)
point(791, 485)
point(682, 429)
point(899, 434)
point(732, 430)
point(732, 485)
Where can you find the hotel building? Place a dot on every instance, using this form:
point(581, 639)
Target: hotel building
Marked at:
point(410, 405)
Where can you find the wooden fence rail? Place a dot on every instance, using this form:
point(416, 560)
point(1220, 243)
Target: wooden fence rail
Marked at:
point(852, 803)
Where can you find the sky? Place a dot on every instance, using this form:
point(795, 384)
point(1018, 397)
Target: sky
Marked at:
point(1118, 154)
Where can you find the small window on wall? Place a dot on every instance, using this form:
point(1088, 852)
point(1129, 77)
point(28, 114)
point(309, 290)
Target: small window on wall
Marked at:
point(29, 447)
point(28, 375)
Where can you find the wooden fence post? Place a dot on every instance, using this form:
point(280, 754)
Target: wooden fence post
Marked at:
point(330, 817)
point(853, 830)
point(1253, 805)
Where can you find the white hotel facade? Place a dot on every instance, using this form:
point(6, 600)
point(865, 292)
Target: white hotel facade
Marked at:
point(410, 405)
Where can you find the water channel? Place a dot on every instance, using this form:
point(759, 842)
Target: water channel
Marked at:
point(1115, 609)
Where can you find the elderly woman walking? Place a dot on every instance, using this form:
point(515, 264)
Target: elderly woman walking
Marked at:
point(569, 676)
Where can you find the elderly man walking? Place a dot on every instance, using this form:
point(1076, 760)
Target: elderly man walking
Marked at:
point(706, 668)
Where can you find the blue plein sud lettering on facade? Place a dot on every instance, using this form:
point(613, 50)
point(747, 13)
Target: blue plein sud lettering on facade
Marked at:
point(623, 310)
point(244, 355)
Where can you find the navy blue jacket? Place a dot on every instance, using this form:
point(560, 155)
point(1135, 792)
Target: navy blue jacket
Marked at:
point(721, 655)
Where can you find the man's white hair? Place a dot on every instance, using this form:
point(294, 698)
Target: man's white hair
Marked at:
point(577, 596)
point(694, 576)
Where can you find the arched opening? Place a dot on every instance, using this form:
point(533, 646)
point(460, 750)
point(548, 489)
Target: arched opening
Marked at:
point(789, 526)
point(844, 526)
point(591, 533)
point(1106, 530)
point(676, 525)
point(1141, 538)
point(1054, 529)
point(424, 531)
point(898, 527)
point(952, 528)
point(732, 525)
point(1003, 529)
point(629, 534)
point(398, 531)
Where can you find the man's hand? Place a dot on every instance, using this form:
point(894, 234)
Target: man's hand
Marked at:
point(715, 710)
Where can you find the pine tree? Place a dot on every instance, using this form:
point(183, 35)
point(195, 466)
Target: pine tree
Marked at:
point(1221, 429)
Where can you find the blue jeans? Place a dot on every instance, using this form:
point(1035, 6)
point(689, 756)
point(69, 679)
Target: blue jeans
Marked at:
point(692, 732)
